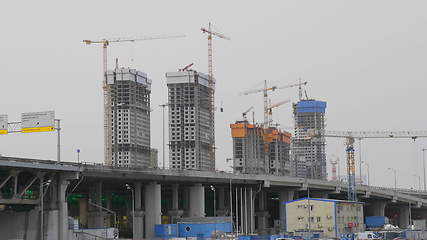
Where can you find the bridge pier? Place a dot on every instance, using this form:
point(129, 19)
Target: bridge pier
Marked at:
point(83, 209)
point(262, 215)
point(153, 209)
point(404, 217)
point(221, 211)
point(138, 231)
point(285, 195)
point(175, 213)
point(96, 215)
point(376, 208)
point(197, 201)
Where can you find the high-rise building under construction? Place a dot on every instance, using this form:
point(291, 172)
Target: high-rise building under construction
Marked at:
point(127, 117)
point(308, 154)
point(191, 121)
point(258, 150)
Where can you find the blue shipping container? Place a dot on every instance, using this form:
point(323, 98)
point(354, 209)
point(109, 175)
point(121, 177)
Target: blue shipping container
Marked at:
point(375, 221)
point(165, 230)
point(203, 229)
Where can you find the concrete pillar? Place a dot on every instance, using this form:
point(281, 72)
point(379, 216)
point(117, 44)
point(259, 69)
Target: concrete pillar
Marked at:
point(197, 201)
point(404, 217)
point(62, 209)
point(262, 215)
point(186, 200)
point(175, 213)
point(250, 205)
point(377, 208)
point(284, 196)
point(83, 212)
point(98, 214)
point(221, 211)
point(138, 232)
point(109, 198)
point(152, 208)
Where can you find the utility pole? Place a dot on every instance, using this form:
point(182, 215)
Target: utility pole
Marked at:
point(58, 129)
point(163, 127)
point(360, 161)
point(424, 167)
point(395, 180)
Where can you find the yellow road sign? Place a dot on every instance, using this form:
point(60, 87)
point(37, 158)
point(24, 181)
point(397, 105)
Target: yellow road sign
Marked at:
point(4, 132)
point(38, 129)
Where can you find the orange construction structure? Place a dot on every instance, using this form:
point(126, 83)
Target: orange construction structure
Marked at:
point(260, 150)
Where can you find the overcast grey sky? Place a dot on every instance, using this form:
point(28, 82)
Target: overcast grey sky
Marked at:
point(365, 58)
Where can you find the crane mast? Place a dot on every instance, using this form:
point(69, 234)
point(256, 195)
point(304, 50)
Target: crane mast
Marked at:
point(107, 98)
point(265, 91)
point(211, 33)
point(350, 136)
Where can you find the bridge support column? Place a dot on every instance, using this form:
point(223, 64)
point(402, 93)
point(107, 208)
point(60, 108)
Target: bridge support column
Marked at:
point(96, 215)
point(262, 215)
point(377, 208)
point(175, 213)
point(62, 207)
point(197, 201)
point(83, 212)
point(284, 196)
point(404, 217)
point(153, 211)
point(222, 211)
point(138, 231)
point(250, 205)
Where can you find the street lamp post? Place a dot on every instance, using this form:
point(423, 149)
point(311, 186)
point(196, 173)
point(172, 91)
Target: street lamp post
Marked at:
point(214, 200)
point(395, 180)
point(360, 161)
point(163, 132)
point(128, 187)
point(367, 170)
point(78, 155)
point(424, 167)
point(419, 180)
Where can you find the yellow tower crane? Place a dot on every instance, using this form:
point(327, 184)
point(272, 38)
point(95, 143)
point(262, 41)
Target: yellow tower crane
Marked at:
point(265, 91)
point(211, 79)
point(270, 109)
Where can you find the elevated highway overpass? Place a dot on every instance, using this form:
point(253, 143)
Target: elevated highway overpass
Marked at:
point(71, 189)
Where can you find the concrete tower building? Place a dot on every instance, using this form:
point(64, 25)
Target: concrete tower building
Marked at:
point(308, 155)
point(260, 151)
point(278, 145)
point(248, 148)
point(127, 117)
point(191, 121)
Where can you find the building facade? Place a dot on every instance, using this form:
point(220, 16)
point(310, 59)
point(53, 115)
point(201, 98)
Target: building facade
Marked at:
point(257, 150)
point(308, 154)
point(277, 144)
point(331, 217)
point(248, 148)
point(191, 121)
point(127, 118)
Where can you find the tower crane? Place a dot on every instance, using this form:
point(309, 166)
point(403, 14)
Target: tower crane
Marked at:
point(107, 101)
point(265, 91)
point(246, 112)
point(270, 109)
point(211, 34)
point(106, 42)
point(349, 137)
